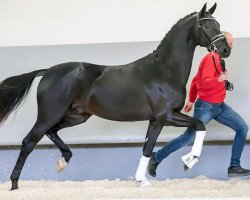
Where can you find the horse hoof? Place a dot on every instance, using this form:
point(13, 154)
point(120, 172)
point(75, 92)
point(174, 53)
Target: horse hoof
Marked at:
point(61, 164)
point(14, 185)
point(185, 167)
point(145, 183)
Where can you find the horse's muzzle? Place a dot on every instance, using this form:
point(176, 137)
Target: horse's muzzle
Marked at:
point(225, 52)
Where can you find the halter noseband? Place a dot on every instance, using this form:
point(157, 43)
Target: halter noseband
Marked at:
point(213, 39)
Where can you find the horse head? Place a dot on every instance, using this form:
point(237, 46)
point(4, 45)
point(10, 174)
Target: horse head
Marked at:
point(209, 34)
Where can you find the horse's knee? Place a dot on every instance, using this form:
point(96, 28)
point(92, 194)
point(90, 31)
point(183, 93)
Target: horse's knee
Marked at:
point(147, 149)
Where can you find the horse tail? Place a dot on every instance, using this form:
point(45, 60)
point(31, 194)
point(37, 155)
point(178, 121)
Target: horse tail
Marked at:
point(13, 90)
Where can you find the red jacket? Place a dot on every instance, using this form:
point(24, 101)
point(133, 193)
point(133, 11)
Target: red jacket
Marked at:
point(205, 84)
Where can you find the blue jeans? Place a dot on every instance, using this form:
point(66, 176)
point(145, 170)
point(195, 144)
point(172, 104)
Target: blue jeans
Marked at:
point(205, 112)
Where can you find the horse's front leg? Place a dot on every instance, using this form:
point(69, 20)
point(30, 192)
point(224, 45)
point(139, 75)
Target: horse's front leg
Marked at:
point(181, 120)
point(153, 132)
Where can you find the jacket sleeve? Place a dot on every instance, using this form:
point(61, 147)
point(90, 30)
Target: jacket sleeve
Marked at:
point(193, 90)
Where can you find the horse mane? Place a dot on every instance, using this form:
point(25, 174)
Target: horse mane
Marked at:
point(165, 39)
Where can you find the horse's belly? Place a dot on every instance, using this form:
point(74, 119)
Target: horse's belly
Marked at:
point(122, 116)
point(119, 109)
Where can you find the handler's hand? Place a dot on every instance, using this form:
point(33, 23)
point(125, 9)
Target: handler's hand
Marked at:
point(223, 76)
point(189, 106)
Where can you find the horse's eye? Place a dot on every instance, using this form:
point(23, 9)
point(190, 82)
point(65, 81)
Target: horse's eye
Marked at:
point(206, 26)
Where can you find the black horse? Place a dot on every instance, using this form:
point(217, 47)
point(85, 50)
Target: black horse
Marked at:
point(152, 88)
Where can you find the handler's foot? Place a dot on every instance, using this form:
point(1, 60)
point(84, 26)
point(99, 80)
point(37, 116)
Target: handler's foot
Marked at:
point(237, 171)
point(152, 165)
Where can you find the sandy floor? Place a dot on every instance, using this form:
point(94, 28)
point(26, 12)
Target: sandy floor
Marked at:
point(199, 187)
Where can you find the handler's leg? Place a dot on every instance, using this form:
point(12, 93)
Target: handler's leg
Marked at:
point(233, 120)
point(153, 132)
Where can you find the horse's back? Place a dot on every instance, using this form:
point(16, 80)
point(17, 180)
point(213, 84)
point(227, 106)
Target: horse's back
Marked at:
point(67, 81)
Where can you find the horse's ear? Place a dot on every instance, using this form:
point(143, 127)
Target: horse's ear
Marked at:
point(212, 9)
point(203, 10)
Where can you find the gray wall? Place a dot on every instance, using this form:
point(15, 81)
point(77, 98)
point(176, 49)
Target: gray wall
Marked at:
point(121, 160)
point(107, 162)
point(18, 60)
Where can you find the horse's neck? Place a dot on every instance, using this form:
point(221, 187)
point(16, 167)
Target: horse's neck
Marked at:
point(176, 53)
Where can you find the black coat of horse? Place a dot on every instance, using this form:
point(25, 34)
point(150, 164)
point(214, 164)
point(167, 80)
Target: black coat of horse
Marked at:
point(152, 88)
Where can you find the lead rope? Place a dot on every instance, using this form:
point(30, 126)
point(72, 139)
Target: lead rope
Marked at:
point(229, 86)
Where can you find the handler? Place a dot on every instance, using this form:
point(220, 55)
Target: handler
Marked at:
point(210, 86)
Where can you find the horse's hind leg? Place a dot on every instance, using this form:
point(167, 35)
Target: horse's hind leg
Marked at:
point(153, 132)
point(71, 119)
point(66, 153)
point(51, 110)
point(28, 144)
point(42, 126)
